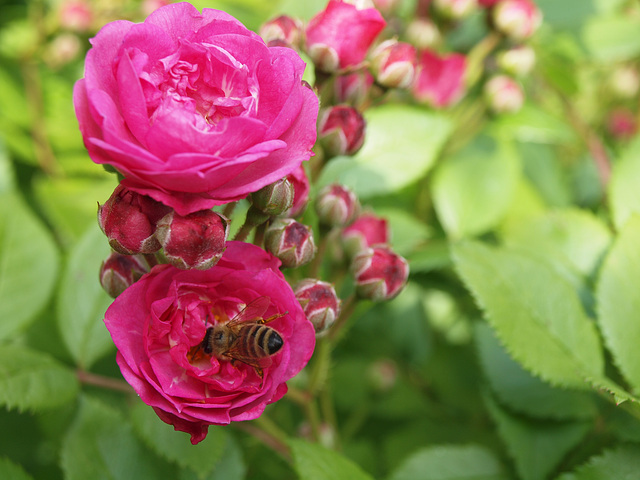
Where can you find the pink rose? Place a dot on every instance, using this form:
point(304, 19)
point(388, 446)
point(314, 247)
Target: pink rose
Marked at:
point(194, 109)
point(440, 80)
point(340, 35)
point(160, 322)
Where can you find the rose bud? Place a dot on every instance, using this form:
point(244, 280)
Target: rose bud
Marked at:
point(340, 35)
point(75, 15)
point(622, 124)
point(517, 19)
point(119, 271)
point(423, 33)
point(341, 130)
point(298, 178)
point(196, 240)
point(380, 274)
point(393, 63)
point(275, 198)
point(353, 88)
point(366, 231)
point(503, 94)
point(625, 81)
point(455, 9)
point(128, 219)
point(487, 3)
point(319, 301)
point(290, 241)
point(336, 205)
point(439, 80)
point(282, 28)
point(518, 61)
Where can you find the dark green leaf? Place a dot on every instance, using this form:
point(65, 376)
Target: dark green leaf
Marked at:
point(315, 462)
point(30, 380)
point(82, 301)
point(622, 463)
point(28, 265)
point(12, 471)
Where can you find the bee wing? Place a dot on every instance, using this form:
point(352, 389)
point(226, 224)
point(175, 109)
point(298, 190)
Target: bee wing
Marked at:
point(258, 363)
point(252, 311)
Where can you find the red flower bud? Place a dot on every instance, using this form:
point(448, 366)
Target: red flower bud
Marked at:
point(366, 231)
point(503, 94)
point(439, 81)
point(298, 178)
point(393, 63)
point(283, 29)
point(290, 241)
point(341, 130)
point(275, 198)
point(517, 19)
point(455, 9)
point(119, 271)
point(319, 301)
point(196, 240)
point(353, 88)
point(128, 219)
point(336, 205)
point(380, 274)
point(621, 124)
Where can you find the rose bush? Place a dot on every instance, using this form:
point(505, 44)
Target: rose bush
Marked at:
point(194, 109)
point(156, 322)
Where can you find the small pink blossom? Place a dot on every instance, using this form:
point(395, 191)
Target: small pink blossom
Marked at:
point(159, 320)
point(394, 63)
point(366, 231)
point(380, 273)
point(517, 19)
point(504, 94)
point(440, 79)
point(341, 130)
point(622, 124)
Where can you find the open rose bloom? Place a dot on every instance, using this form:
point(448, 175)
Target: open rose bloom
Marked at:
point(159, 321)
point(194, 109)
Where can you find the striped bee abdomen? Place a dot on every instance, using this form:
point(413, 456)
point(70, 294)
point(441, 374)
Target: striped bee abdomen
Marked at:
point(260, 341)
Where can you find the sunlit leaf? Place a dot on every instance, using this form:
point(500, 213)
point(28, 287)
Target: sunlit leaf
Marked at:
point(624, 194)
point(612, 38)
point(12, 471)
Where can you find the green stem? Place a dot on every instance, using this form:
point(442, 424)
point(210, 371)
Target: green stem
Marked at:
point(254, 218)
point(476, 57)
point(347, 310)
point(228, 209)
point(103, 382)
point(268, 433)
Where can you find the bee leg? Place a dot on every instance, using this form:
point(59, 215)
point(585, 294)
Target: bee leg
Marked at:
point(271, 318)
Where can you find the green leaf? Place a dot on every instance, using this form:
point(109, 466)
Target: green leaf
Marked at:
point(101, 445)
point(519, 390)
point(624, 194)
point(566, 14)
point(619, 302)
point(82, 301)
point(7, 177)
point(621, 463)
point(396, 151)
point(535, 312)
point(12, 471)
point(30, 380)
point(407, 232)
point(315, 462)
point(28, 265)
point(450, 463)
point(537, 447)
point(175, 446)
point(612, 38)
point(472, 190)
point(533, 124)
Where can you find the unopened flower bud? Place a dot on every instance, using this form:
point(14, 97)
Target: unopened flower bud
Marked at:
point(196, 240)
point(341, 130)
point(394, 63)
point(439, 79)
point(119, 271)
point(518, 61)
point(517, 19)
point(275, 198)
point(336, 205)
point(319, 301)
point(625, 81)
point(423, 33)
point(383, 375)
point(282, 28)
point(354, 88)
point(380, 273)
point(290, 241)
point(298, 178)
point(455, 9)
point(76, 15)
point(128, 219)
point(366, 231)
point(621, 124)
point(503, 94)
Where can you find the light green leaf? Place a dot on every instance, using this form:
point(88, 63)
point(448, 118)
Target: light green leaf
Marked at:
point(535, 313)
point(407, 232)
point(624, 194)
point(175, 446)
point(537, 447)
point(28, 265)
point(621, 463)
point(82, 301)
point(450, 463)
point(101, 445)
point(315, 462)
point(519, 390)
point(401, 145)
point(566, 14)
point(31, 380)
point(12, 471)
point(612, 38)
point(472, 190)
point(533, 124)
point(619, 301)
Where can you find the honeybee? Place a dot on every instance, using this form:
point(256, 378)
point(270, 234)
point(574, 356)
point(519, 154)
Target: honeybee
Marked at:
point(244, 338)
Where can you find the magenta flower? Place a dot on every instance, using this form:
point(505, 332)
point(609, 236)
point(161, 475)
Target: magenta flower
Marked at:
point(440, 80)
point(160, 322)
point(340, 35)
point(194, 109)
